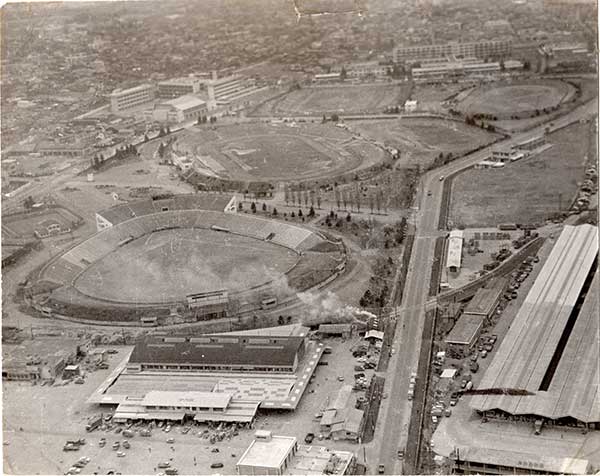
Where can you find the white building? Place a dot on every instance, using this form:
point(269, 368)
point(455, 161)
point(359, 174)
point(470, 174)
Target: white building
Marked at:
point(174, 88)
point(125, 99)
point(449, 70)
point(479, 49)
point(360, 70)
point(175, 111)
point(410, 105)
point(278, 455)
point(455, 243)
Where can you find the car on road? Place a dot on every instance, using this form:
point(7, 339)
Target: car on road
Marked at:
point(381, 469)
point(309, 438)
point(163, 464)
point(216, 465)
point(441, 178)
point(400, 454)
point(429, 193)
point(170, 440)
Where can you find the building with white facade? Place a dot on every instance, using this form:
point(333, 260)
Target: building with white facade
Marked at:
point(410, 105)
point(278, 455)
point(174, 88)
point(125, 99)
point(453, 70)
point(175, 111)
point(455, 243)
point(361, 70)
point(478, 49)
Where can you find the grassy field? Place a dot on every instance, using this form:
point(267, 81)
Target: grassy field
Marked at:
point(525, 191)
point(24, 225)
point(350, 99)
point(516, 98)
point(168, 265)
point(421, 140)
point(276, 152)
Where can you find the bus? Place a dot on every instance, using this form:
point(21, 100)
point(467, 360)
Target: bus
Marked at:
point(268, 303)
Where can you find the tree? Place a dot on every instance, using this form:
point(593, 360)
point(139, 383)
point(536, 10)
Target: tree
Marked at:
point(335, 118)
point(146, 138)
point(264, 207)
point(299, 212)
point(324, 120)
point(274, 212)
point(311, 212)
point(240, 206)
point(280, 320)
point(343, 74)
point(253, 207)
point(319, 201)
point(28, 203)
point(293, 215)
point(348, 217)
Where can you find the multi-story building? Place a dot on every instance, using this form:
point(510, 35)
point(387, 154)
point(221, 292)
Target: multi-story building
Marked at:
point(227, 88)
point(174, 88)
point(124, 99)
point(479, 49)
point(453, 70)
point(360, 70)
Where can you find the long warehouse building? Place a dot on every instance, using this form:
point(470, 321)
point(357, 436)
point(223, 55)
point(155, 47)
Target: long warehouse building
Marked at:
point(551, 349)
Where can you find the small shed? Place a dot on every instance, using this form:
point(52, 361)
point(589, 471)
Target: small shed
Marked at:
point(335, 330)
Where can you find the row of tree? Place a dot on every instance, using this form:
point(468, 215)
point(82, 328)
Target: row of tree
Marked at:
point(121, 153)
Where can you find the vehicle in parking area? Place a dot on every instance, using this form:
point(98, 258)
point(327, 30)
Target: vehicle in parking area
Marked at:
point(118, 430)
point(453, 401)
point(126, 445)
point(163, 464)
point(216, 465)
point(448, 412)
point(145, 432)
point(488, 347)
point(70, 447)
point(128, 434)
point(441, 178)
point(429, 193)
point(493, 339)
point(170, 440)
point(340, 378)
point(400, 454)
point(463, 383)
point(469, 386)
point(120, 454)
point(102, 442)
point(116, 445)
point(381, 469)
point(474, 357)
point(168, 429)
point(171, 471)
point(474, 367)
point(484, 354)
point(309, 438)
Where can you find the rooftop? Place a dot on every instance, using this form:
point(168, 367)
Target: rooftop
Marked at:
point(267, 453)
point(525, 356)
point(185, 102)
point(485, 299)
point(465, 329)
point(156, 398)
point(41, 348)
point(218, 350)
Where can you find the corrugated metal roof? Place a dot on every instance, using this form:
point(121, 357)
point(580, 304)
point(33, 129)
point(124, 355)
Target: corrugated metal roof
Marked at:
point(238, 350)
point(186, 399)
point(465, 330)
point(485, 299)
point(525, 353)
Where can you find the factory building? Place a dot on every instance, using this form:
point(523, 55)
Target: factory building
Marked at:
point(478, 49)
point(176, 111)
point(174, 88)
point(454, 257)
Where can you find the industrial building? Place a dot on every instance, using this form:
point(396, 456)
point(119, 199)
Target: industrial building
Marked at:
point(217, 353)
point(455, 244)
point(201, 407)
point(342, 420)
point(125, 99)
point(39, 359)
point(551, 349)
point(174, 88)
point(262, 368)
point(479, 49)
point(277, 455)
point(178, 110)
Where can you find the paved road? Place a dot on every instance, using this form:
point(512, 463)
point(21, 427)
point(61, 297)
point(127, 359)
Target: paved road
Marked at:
point(396, 417)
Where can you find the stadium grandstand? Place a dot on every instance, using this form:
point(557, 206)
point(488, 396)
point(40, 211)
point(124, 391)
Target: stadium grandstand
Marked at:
point(551, 349)
point(129, 210)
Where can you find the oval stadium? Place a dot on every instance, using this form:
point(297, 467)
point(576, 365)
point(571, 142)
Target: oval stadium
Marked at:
point(180, 257)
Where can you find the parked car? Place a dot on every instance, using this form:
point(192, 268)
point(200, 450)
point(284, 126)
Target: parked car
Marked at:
point(102, 442)
point(216, 465)
point(126, 444)
point(118, 430)
point(309, 438)
point(120, 454)
point(163, 464)
point(381, 469)
point(484, 354)
point(116, 445)
point(171, 440)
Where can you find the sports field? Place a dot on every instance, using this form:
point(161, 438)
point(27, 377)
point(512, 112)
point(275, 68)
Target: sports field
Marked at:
point(25, 225)
point(168, 265)
point(350, 99)
point(275, 151)
point(421, 140)
point(526, 191)
point(516, 98)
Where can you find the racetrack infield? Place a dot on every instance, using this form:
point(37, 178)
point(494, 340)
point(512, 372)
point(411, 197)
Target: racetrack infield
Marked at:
point(166, 266)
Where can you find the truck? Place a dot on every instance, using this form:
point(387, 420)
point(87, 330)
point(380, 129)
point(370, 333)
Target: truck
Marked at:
point(94, 423)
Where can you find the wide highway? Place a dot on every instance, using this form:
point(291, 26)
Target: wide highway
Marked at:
point(394, 419)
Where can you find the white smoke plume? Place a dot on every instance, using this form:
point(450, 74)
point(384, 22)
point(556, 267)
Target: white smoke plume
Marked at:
point(328, 309)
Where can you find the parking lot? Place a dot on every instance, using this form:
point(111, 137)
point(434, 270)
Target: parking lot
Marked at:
point(445, 399)
point(37, 427)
